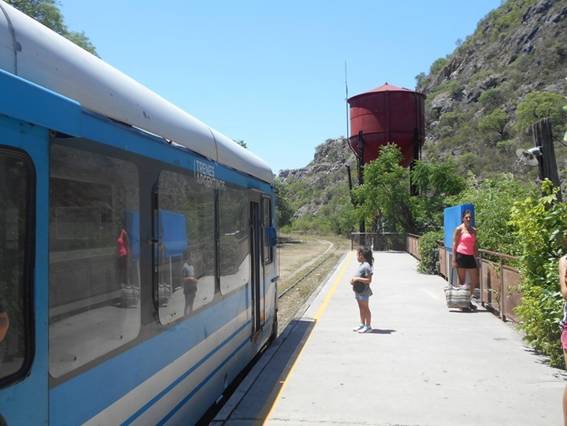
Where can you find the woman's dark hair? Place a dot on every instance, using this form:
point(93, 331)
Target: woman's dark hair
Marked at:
point(367, 254)
point(467, 212)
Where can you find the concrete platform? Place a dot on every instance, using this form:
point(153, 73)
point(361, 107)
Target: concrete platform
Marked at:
point(422, 365)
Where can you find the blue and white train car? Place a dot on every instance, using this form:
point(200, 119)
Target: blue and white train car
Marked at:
point(137, 245)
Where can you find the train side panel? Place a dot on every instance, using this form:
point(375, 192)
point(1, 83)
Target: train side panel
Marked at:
point(118, 352)
point(23, 284)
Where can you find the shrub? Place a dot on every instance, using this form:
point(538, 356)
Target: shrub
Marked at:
point(493, 123)
point(429, 252)
point(493, 200)
point(538, 105)
point(437, 65)
point(541, 225)
point(491, 98)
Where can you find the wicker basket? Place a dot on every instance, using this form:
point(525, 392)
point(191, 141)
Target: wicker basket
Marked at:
point(457, 298)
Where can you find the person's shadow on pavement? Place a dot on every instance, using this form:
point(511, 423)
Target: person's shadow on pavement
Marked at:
point(381, 331)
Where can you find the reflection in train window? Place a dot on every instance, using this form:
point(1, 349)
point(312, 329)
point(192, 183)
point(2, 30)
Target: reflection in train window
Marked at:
point(267, 248)
point(94, 252)
point(184, 224)
point(15, 332)
point(234, 239)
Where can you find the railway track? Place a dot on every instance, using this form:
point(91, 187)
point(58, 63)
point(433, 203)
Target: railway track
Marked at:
point(296, 290)
point(311, 267)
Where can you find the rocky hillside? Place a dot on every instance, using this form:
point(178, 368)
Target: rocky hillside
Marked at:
point(480, 101)
point(516, 58)
point(321, 187)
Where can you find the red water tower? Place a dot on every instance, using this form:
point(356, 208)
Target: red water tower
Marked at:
point(387, 114)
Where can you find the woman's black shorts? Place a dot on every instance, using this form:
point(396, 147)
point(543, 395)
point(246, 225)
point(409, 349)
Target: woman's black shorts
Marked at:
point(466, 261)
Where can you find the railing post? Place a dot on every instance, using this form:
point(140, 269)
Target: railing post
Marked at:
point(502, 301)
point(481, 283)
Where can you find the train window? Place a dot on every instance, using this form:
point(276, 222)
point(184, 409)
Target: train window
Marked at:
point(94, 257)
point(267, 248)
point(234, 239)
point(16, 251)
point(185, 253)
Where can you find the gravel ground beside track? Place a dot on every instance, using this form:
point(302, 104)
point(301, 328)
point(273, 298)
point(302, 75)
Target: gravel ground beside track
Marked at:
point(305, 261)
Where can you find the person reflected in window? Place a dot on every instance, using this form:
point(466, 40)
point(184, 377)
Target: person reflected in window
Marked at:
point(4, 322)
point(122, 252)
point(465, 252)
point(189, 284)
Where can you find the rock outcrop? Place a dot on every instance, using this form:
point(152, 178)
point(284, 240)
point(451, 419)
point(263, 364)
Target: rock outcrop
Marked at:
point(324, 178)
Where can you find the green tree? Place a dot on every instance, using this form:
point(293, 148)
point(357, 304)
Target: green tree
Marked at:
point(340, 214)
point(81, 40)
point(492, 98)
point(420, 80)
point(435, 182)
point(283, 207)
point(241, 143)
point(437, 65)
point(47, 12)
point(538, 105)
point(494, 124)
point(385, 193)
point(493, 200)
point(385, 196)
point(451, 123)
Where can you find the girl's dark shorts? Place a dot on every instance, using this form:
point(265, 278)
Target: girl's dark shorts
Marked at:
point(466, 261)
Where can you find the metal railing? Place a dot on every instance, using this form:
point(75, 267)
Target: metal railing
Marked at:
point(499, 284)
point(362, 239)
point(385, 241)
point(412, 245)
point(499, 279)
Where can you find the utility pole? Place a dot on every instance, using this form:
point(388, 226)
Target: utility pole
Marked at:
point(547, 165)
point(362, 225)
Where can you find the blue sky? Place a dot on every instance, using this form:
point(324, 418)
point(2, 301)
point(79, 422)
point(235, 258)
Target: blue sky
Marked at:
point(272, 73)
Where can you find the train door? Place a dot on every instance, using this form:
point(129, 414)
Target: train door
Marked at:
point(23, 272)
point(269, 276)
point(255, 264)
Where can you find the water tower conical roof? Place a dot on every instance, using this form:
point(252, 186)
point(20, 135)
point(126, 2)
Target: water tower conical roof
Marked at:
point(386, 87)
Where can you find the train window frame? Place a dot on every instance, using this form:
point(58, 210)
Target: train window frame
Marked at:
point(99, 149)
point(239, 237)
point(267, 248)
point(28, 279)
point(188, 176)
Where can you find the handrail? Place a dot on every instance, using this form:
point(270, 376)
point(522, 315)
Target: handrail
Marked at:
point(498, 254)
point(499, 282)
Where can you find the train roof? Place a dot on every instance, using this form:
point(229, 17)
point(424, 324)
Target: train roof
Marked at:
point(32, 51)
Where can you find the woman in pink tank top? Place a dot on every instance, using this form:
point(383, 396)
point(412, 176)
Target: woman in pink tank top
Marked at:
point(122, 252)
point(465, 251)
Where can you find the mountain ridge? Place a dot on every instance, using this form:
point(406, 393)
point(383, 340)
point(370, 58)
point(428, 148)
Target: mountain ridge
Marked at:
point(473, 99)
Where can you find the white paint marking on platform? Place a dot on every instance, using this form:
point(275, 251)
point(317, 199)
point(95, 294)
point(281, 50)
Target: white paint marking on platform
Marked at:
point(435, 296)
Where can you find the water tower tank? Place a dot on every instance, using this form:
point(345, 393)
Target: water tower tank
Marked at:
point(387, 114)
